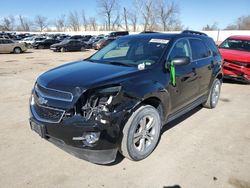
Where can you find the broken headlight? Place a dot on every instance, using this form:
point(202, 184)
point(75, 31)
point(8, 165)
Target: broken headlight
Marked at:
point(99, 101)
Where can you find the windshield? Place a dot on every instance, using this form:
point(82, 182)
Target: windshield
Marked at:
point(242, 45)
point(132, 51)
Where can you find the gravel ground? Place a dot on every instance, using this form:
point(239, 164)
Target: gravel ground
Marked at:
point(203, 149)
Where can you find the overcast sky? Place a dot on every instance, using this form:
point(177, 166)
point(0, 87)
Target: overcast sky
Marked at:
point(193, 13)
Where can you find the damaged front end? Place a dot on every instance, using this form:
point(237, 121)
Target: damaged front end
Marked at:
point(91, 125)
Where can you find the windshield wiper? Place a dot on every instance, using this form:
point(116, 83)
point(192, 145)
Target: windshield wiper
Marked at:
point(120, 63)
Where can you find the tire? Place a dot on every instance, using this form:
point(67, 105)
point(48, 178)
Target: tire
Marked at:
point(139, 140)
point(82, 49)
point(17, 50)
point(62, 49)
point(214, 94)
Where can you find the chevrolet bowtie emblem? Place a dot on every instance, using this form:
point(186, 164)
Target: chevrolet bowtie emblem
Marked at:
point(42, 100)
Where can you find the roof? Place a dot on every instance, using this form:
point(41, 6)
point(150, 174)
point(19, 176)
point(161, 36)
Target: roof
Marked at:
point(240, 37)
point(151, 35)
point(186, 33)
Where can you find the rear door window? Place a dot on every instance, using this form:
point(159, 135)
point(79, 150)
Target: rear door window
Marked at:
point(199, 49)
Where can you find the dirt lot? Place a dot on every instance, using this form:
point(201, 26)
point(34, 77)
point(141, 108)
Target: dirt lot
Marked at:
point(203, 149)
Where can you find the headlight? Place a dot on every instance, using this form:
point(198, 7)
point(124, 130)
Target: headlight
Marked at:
point(110, 90)
point(99, 101)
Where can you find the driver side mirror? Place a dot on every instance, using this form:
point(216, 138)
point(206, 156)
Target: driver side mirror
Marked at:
point(178, 61)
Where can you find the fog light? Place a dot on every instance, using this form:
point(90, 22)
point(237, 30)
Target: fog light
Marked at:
point(88, 138)
point(92, 137)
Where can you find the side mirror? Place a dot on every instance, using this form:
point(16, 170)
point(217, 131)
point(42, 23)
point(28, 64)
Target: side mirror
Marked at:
point(181, 61)
point(178, 61)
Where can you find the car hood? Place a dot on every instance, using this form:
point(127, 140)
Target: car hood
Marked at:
point(83, 74)
point(235, 55)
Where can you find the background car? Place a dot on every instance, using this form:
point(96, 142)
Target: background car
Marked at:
point(118, 34)
point(92, 40)
point(9, 46)
point(235, 51)
point(45, 44)
point(102, 43)
point(68, 45)
point(30, 40)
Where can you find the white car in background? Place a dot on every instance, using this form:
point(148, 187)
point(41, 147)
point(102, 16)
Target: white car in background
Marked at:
point(10, 46)
point(31, 40)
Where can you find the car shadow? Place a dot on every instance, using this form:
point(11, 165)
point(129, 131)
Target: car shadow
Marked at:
point(234, 81)
point(119, 158)
point(166, 127)
point(175, 122)
point(175, 186)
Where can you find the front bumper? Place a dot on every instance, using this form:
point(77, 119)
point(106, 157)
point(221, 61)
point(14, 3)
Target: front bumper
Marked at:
point(102, 152)
point(236, 72)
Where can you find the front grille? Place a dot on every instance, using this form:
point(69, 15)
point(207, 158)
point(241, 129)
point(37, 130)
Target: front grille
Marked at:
point(53, 93)
point(46, 114)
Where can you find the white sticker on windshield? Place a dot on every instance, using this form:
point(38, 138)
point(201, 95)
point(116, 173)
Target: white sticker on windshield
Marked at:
point(161, 41)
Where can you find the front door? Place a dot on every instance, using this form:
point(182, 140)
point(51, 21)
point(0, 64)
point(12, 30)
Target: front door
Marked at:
point(186, 89)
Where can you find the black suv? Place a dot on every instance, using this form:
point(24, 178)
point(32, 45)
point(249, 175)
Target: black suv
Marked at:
point(120, 98)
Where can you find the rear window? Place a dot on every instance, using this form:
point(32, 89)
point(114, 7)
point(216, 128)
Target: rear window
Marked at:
point(210, 43)
point(235, 44)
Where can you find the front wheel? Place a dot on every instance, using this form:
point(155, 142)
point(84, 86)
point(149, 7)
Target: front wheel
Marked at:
point(141, 133)
point(17, 50)
point(63, 49)
point(214, 94)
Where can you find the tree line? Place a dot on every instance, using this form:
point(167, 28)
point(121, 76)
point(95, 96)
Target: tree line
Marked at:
point(242, 23)
point(144, 15)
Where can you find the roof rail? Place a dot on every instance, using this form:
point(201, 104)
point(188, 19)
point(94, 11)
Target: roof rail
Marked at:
point(193, 32)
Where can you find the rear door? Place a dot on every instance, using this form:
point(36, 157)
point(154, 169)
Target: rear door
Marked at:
point(1, 45)
point(186, 89)
point(8, 45)
point(203, 60)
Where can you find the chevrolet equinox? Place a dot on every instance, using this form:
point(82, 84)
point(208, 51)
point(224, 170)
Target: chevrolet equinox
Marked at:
point(120, 98)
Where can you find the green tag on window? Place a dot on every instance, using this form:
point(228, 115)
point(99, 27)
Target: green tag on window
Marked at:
point(172, 74)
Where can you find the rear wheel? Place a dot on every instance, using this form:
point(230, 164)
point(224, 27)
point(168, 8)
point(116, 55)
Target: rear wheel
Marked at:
point(82, 48)
point(141, 133)
point(17, 50)
point(214, 94)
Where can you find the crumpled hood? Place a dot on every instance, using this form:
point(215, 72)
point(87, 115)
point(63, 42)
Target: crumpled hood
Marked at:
point(235, 55)
point(83, 74)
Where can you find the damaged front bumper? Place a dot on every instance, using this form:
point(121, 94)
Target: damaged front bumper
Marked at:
point(236, 72)
point(73, 135)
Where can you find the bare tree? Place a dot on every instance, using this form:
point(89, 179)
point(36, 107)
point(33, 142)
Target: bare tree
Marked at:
point(60, 23)
point(125, 15)
point(73, 21)
point(116, 24)
point(133, 18)
point(8, 23)
point(84, 21)
point(107, 8)
point(41, 22)
point(25, 24)
point(147, 10)
point(212, 27)
point(242, 23)
point(93, 23)
point(167, 14)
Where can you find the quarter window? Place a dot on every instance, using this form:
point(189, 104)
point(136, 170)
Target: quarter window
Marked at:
point(199, 49)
